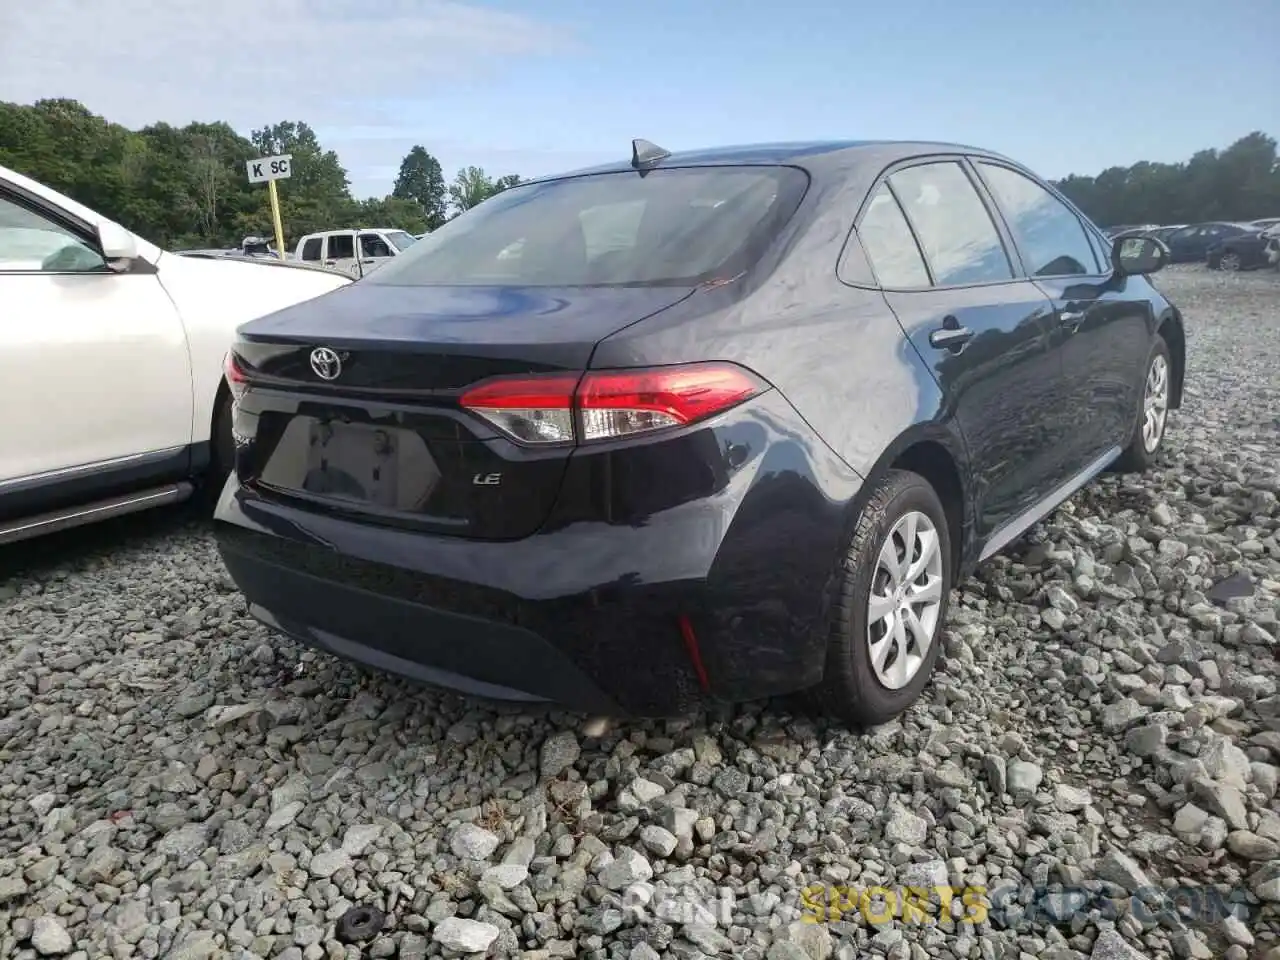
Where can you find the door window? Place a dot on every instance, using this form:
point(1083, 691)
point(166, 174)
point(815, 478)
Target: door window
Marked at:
point(342, 246)
point(890, 247)
point(960, 240)
point(372, 246)
point(311, 248)
point(1052, 238)
point(1101, 250)
point(32, 243)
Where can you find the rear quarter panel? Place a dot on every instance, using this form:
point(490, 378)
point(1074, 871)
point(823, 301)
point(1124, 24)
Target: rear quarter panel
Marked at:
point(214, 297)
point(835, 352)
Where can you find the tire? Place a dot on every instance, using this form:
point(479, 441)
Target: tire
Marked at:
point(852, 690)
point(1229, 262)
point(1141, 453)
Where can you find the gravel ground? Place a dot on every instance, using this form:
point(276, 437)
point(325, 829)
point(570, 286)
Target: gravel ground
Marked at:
point(176, 782)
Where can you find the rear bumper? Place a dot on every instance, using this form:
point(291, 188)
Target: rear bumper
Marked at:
point(587, 612)
point(381, 629)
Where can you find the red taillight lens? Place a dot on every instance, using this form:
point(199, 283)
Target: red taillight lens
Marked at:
point(618, 403)
point(609, 404)
point(237, 381)
point(537, 409)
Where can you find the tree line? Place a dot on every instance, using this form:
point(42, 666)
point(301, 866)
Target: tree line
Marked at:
point(186, 186)
point(1241, 182)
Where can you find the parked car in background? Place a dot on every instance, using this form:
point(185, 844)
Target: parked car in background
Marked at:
point(1248, 250)
point(1128, 228)
point(1191, 244)
point(111, 362)
point(708, 426)
point(1267, 223)
point(1164, 233)
point(339, 248)
point(249, 247)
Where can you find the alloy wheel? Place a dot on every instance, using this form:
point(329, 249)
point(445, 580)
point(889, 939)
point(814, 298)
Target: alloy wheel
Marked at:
point(1229, 262)
point(905, 600)
point(1155, 403)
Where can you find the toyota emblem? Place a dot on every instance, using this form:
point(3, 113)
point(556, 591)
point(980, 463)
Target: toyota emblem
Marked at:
point(326, 363)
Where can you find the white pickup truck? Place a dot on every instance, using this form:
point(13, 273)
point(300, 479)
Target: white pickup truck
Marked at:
point(338, 249)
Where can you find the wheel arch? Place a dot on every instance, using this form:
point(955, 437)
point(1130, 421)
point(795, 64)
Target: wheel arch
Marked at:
point(1170, 329)
point(936, 452)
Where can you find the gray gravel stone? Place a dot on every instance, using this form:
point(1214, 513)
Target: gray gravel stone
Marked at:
point(472, 842)
point(1024, 777)
point(465, 936)
point(560, 751)
point(50, 937)
point(903, 826)
point(177, 781)
point(1110, 945)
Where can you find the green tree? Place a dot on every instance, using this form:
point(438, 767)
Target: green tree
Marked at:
point(394, 212)
point(505, 183)
point(471, 186)
point(422, 181)
point(1241, 182)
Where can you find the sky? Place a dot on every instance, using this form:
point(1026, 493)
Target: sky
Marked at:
point(541, 86)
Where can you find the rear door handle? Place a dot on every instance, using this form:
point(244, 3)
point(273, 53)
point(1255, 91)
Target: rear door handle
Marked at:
point(950, 337)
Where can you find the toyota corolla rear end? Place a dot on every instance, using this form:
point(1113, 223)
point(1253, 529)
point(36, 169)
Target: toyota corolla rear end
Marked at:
point(433, 479)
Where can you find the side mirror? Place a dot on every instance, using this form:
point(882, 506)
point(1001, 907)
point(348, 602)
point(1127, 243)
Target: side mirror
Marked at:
point(119, 248)
point(1134, 256)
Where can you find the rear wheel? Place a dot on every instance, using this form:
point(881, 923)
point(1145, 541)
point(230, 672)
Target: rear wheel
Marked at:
point(1153, 413)
point(895, 582)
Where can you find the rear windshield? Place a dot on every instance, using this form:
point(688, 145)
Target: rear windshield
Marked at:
point(671, 226)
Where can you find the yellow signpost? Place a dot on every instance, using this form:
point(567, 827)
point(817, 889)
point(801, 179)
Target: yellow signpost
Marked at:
point(268, 170)
point(275, 216)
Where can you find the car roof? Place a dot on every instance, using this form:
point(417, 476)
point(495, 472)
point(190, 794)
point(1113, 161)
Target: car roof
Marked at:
point(814, 155)
point(325, 233)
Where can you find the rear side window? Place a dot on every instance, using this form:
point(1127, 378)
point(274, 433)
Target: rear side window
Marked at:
point(1050, 236)
point(342, 246)
point(890, 247)
point(960, 240)
point(678, 226)
point(311, 248)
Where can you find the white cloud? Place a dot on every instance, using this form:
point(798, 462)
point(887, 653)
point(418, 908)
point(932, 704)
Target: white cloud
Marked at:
point(324, 61)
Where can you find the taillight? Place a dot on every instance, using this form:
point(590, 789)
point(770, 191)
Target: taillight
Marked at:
point(620, 403)
point(609, 404)
point(536, 409)
point(237, 381)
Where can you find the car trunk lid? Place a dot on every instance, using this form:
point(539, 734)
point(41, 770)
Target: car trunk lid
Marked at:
point(350, 403)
